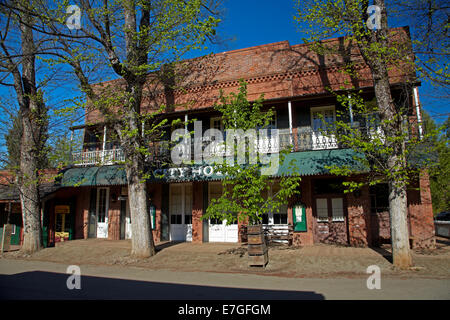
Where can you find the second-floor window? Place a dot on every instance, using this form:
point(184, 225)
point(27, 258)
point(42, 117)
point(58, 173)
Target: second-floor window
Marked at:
point(322, 118)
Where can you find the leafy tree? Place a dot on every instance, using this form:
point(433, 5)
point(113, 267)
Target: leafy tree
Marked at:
point(385, 153)
point(440, 174)
point(138, 43)
point(245, 185)
point(429, 21)
point(60, 153)
point(13, 138)
point(18, 51)
point(13, 142)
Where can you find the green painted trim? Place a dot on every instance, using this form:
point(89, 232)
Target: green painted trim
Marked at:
point(15, 238)
point(299, 224)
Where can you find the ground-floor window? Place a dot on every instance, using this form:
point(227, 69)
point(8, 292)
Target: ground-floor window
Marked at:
point(329, 200)
point(337, 209)
point(280, 215)
point(330, 208)
point(379, 198)
point(322, 209)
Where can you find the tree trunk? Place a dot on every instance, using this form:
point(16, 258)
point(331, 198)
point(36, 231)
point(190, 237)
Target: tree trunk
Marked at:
point(398, 209)
point(29, 195)
point(142, 244)
point(30, 103)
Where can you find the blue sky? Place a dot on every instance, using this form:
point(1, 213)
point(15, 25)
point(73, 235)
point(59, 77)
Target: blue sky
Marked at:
point(257, 22)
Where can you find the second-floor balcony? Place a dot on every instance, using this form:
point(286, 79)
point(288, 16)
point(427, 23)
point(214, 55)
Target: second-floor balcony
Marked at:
point(98, 157)
point(300, 139)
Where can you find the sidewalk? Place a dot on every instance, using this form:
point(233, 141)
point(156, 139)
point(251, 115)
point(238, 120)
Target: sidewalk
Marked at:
point(318, 261)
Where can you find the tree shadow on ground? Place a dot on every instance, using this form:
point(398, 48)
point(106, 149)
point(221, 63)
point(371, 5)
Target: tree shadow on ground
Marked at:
point(38, 285)
point(383, 252)
point(166, 245)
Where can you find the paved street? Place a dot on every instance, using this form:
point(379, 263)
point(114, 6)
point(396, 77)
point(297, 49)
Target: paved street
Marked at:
point(21, 279)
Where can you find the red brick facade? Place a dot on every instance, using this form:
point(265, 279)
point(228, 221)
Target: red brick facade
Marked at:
point(285, 74)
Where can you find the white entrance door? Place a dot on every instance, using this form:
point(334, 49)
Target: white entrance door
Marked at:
point(180, 210)
point(321, 118)
point(219, 231)
point(102, 212)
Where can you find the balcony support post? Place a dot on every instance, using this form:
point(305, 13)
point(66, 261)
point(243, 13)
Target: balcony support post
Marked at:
point(350, 110)
point(70, 145)
point(104, 144)
point(290, 121)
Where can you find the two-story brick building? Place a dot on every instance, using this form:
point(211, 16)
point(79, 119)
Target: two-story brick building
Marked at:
point(92, 200)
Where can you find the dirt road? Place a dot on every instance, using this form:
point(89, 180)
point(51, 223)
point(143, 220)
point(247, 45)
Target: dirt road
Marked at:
point(21, 279)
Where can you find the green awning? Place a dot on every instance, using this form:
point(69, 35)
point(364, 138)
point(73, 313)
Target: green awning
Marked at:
point(314, 162)
point(306, 163)
point(94, 176)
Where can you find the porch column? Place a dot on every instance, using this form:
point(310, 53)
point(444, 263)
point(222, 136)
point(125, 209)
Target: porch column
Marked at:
point(104, 143)
point(70, 146)
point(290, 121)
point(350, 110)
point(188, 147)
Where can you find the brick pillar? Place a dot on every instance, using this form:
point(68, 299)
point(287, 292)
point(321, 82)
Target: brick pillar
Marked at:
point(421, 214)
point(82, 213)
point(197, 212)
point(359, 217)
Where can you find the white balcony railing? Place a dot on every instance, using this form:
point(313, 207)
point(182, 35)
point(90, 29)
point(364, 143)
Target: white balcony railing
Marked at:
point(302, 139)
point(98, 157)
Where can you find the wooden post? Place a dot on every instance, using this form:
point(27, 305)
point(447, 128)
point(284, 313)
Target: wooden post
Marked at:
point(257, 249)
point(350, 110)
point(104, 144)
point(290, 121)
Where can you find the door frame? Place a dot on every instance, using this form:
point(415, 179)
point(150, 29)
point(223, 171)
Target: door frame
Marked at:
point(314, 134)
point(225, 228)
point(183, 210)
point(106, 210)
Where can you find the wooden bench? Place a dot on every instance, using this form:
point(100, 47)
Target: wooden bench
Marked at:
point(279, 233)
